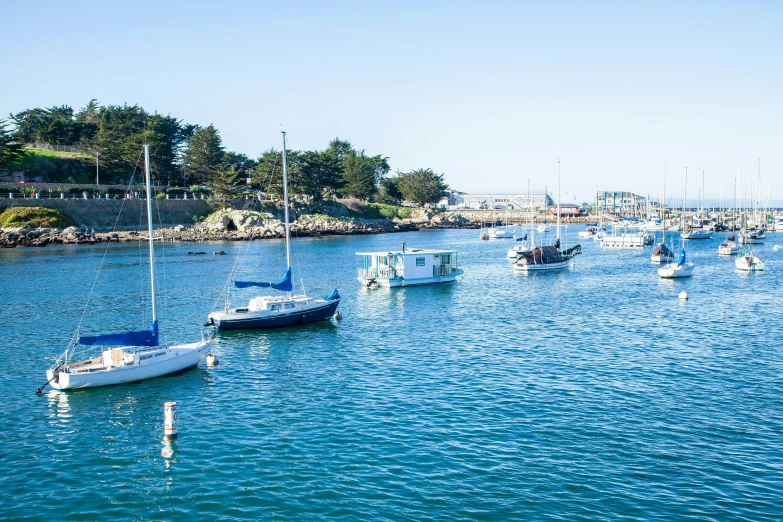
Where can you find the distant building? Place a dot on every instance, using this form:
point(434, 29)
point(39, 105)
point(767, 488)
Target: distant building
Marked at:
point(567, 209)
point(507, 201)
point(620, 201)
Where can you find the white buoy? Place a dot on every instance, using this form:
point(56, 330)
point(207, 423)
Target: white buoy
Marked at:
point(683, 296)
point(212, 360)
point(170, 420)
point(338, 316)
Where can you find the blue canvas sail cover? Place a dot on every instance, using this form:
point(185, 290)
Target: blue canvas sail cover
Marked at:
point(284, 285)
point(681, 260)
point(331, 297)
point(138, 338)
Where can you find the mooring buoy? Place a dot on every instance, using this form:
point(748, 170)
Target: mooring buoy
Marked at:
point(170, 420)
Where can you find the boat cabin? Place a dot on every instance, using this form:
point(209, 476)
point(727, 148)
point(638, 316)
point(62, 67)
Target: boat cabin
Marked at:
point(407, 267)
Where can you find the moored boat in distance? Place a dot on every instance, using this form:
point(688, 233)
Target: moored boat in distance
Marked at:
point(548, 257)
point(622, 237)
point(728, 247)
point(407, 267)
point(747, 262)
point(677, 270)
point(752, 236)
point(519, 249)
point(696, 233)
point(661, 254)
point(499, 233)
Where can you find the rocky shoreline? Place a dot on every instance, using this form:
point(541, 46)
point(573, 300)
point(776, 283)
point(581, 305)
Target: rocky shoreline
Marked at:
point(240, 225)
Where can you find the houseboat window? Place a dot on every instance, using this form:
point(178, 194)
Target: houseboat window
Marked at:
point(445, 259)
point(274, 307)
point(289, 306)
point(419, 261)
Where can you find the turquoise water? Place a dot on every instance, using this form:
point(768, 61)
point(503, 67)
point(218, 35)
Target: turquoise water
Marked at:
point(587, 394)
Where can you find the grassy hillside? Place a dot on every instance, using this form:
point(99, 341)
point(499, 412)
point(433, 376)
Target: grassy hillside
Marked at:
point(55, 166)
point(34, 217)
point(379, 210)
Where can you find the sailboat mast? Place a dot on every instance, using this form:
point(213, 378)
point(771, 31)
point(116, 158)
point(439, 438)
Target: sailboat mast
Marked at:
point(149, 229)
point(558, 199)
point(684, 199)
point(734, 222)
point(285, 203)
point(663, 205)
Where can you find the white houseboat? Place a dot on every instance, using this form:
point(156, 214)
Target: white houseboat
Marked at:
point(407, 267)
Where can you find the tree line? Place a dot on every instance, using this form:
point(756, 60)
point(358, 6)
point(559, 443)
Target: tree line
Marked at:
point(185, 155)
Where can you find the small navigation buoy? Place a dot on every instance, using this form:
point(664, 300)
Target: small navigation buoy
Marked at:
point(338, 315)
point(212, 360)
point(170, 420)
point(683, 296)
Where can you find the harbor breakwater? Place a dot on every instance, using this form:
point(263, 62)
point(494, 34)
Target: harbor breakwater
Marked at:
point(96, 219)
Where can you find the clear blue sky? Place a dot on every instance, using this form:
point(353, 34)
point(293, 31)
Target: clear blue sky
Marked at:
point(488, 93)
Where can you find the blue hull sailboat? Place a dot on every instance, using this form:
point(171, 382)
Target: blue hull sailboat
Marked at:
point(274, 311)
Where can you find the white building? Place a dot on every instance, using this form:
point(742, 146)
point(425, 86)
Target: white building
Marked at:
point(507, 201)
point(620, 201)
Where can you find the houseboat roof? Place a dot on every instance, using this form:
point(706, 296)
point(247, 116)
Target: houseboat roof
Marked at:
point(407, 252)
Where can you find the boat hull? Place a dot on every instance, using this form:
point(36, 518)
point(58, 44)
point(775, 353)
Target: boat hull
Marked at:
point(656, 260)
point(749, 265)
point(540, 267)
point(186, 356)
point(697, 235)
point(675, 272)
point(251, 320)
point(399, 283)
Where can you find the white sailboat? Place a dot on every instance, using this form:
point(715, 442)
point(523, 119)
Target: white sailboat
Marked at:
point(747, 262)
point(547, 257)
point(681, 268)
point(273, 311)
point(126, 356)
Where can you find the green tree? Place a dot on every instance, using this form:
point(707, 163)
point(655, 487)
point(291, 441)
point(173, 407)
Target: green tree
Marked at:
point(421, 186)
point(166, 136)
point(315, 174)
point(119, 137)
point(10, 149)
point(242, 161)
point(226, 180)
point(340, 149)
point(389, 192)
point(203, 155)
point(54, 125)
point(359, 176)
point(87, 119)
